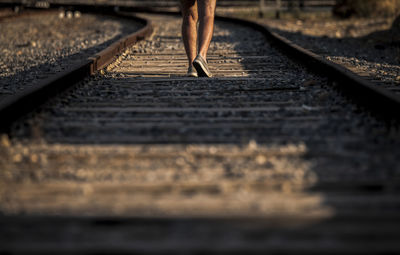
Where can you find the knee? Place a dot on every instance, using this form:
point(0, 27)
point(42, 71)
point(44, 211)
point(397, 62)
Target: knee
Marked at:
point(190, 16)
point(206, 19)
point(207, 15)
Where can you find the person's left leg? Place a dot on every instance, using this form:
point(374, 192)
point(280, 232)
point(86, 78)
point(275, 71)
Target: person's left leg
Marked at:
point(206, 25)
point(206, 28)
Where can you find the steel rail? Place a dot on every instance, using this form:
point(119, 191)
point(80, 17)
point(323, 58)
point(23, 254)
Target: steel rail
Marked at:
point(377, 100)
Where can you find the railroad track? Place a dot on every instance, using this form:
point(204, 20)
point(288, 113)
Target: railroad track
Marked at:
point(140, 158)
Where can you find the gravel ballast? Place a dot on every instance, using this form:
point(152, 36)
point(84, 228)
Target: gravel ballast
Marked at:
point(263, 141)
point(258, 101)
point(36, 46)
point(366, 46)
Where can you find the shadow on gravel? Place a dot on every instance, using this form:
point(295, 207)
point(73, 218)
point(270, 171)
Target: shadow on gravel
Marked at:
point(381, 47)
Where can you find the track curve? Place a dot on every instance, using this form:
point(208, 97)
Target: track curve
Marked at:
point(262, 155)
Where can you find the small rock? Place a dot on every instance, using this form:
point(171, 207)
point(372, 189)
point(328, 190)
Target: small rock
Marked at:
point(17, 158)
point(69, 14)
point(5, 142)
point(323, 96)
point(261, 160)
point(309, 83)
point(212, 150)
point(308, 108)
point(34, 158)
point(252, 145)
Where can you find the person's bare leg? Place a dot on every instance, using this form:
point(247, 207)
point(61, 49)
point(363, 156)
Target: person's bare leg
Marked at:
point(189, 28)
point(206, 10)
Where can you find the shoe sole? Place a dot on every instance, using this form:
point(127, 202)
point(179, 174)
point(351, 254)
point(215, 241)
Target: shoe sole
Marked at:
point(201, 69)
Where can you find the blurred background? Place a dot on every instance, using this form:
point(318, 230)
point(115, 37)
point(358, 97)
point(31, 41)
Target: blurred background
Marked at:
point(340, 8)
point(338, 18)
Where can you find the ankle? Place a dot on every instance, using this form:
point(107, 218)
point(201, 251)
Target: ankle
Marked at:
point(204, 56)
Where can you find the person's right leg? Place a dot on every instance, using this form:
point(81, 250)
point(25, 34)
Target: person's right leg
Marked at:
point(189, 28)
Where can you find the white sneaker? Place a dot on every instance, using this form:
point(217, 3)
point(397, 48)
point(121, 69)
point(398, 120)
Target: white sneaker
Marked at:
point(191, 72)
point(201, 67)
